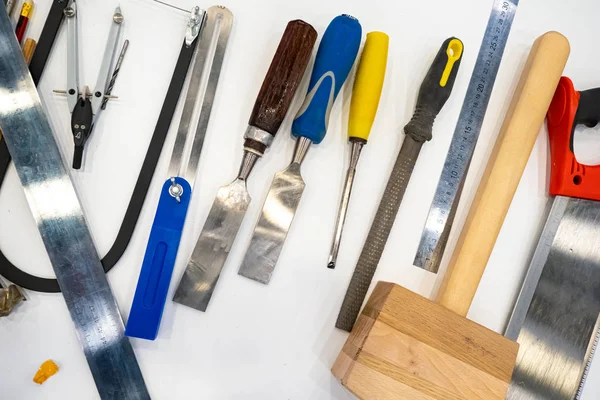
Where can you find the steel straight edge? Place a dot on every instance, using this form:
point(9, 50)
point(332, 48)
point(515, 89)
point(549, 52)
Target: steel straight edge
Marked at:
point(59, 217)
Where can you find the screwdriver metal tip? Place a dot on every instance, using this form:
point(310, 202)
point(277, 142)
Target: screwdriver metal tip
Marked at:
point(356, 148)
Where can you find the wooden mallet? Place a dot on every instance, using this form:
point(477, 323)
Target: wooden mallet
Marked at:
point(404, 346)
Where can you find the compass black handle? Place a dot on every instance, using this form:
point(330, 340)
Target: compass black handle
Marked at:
point(81, 127)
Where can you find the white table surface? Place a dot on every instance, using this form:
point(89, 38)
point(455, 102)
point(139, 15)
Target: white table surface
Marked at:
point(275, 342)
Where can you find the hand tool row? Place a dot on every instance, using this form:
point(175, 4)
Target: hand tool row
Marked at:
point(397, 329)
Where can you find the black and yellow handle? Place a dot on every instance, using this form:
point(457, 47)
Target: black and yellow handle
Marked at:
point(435, 90)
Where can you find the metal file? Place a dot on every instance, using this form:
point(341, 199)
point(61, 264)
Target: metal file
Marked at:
point(433, 94)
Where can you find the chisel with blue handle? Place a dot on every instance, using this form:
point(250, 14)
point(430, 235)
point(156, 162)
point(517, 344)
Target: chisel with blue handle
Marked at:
point(335, 57)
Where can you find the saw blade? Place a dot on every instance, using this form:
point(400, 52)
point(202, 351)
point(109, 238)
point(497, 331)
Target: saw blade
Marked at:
point(559, 330)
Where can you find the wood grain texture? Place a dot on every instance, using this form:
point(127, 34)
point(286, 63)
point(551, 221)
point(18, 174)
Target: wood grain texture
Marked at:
point(426, 368)
point(459, 337)
point(507, 162)
point(284, 76)
point(384, 388)
point(404, 346)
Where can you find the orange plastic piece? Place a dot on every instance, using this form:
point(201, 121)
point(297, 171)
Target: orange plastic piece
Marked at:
point(567, 176)
point(47, 369)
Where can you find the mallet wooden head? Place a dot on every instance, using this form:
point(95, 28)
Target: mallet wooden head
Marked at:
point(404, 346)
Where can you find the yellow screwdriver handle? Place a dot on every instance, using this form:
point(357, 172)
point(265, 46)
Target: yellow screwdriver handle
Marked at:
point(368, 85)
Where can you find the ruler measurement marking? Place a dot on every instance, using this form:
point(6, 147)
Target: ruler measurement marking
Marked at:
point(467, 130)
point(92, 308)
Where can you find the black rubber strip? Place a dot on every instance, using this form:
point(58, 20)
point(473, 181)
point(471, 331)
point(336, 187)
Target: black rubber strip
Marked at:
point(31, 282)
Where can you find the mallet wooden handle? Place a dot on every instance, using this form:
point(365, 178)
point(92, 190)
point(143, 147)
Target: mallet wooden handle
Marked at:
point(518, 134)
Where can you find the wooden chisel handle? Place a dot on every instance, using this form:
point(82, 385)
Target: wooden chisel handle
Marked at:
point(284, 76)
point(507, 162)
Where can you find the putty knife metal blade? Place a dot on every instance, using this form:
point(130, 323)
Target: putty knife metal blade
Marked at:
point(334, 60)
point(211, 251)
point(225, 218)
point(273, 224)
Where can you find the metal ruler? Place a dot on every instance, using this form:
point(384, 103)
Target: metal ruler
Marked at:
point(59, 217)
point(441, 214)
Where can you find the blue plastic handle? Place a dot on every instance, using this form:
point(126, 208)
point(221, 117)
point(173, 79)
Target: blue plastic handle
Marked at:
point(157, 268)
point(335, 57)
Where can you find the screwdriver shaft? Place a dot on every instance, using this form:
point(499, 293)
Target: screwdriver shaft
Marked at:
point(356, 148)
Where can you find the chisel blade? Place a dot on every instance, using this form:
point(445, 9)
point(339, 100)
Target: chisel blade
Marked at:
point(225, 218)
point(273, 225)
point(220, 230)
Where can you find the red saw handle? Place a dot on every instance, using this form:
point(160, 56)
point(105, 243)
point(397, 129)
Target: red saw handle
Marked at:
point(568, 109)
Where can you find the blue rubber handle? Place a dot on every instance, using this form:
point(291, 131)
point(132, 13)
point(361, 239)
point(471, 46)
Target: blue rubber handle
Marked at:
point(157, 268)
point(335, 57)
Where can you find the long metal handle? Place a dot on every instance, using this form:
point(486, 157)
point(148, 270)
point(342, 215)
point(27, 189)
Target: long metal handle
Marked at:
point(379, 233)
point(109, 53)
point(213, 43)
point(191, 97)
point(72, 57)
